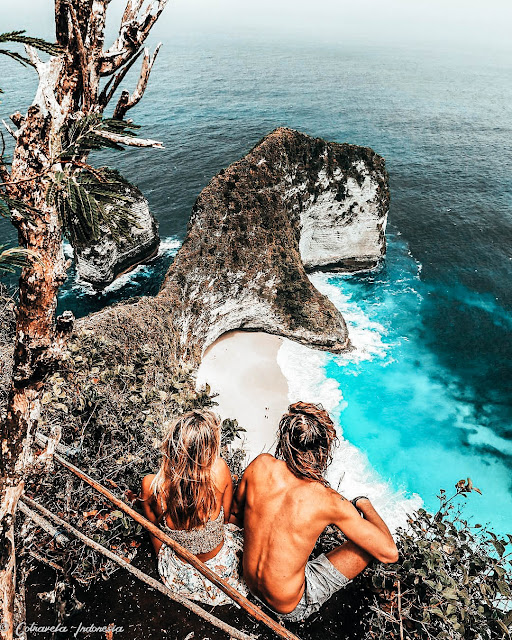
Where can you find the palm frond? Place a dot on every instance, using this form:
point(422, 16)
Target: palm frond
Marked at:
point(17, 37)
point(8, 205)
point(38, 43)
point(15, 56)
point(90, 202)
point(5, 212)
point(15, 258)
point(79, 136)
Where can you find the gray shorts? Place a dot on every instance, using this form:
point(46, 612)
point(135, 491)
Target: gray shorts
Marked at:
point(322, 581)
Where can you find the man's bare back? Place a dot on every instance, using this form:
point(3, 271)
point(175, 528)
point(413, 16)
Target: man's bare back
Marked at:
point(284, 515)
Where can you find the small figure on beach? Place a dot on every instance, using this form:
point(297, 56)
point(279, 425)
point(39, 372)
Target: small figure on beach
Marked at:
point(284, 503)
point(190, 499)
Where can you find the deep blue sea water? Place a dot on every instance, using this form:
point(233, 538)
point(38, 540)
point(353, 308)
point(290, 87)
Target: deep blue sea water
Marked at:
point(432, 401)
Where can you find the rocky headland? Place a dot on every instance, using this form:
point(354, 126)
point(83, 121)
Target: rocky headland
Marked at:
point(293, 204)
point(101, 261)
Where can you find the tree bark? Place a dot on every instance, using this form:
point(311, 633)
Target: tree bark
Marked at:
point(36, 340)
point(68, 87)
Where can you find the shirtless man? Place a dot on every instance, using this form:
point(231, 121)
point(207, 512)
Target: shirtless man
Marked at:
point(284, 503)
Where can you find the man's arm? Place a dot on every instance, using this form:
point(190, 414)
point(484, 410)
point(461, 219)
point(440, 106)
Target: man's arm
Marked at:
point(370, 532)
point(250, 475)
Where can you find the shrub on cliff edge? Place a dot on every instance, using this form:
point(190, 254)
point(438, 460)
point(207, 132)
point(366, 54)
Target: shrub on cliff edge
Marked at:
point(452, 580)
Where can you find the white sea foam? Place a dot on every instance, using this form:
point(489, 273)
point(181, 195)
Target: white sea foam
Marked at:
point(305, 370)
point(484, 437)
point(366, 336)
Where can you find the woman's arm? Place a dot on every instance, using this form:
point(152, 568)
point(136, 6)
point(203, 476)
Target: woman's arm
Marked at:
point(238, 503)
point(224, 484)
point(147, 499)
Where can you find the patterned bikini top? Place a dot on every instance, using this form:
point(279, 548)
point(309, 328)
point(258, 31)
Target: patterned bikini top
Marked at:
point(201, 540)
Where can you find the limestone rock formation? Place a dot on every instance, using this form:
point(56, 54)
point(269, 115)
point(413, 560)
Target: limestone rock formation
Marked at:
point(290, 203)
point(100, 262)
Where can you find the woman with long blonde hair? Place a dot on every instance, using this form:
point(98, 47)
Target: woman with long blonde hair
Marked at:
point(190, 498)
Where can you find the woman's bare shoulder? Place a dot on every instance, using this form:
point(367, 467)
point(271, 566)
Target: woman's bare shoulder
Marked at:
point(146, 485)
point(221, 473)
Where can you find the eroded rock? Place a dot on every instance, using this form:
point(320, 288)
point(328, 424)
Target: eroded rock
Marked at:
point(102, 261)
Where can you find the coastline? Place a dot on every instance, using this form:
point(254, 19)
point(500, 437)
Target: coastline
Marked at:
point(256, 375)
point(242, 368)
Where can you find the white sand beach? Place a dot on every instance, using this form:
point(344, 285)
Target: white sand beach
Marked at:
point(241, 366)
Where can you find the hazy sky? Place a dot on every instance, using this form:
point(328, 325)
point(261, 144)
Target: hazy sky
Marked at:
point(472, 23)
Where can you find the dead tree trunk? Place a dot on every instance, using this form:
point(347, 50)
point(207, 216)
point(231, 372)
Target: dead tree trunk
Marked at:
point(69, 86)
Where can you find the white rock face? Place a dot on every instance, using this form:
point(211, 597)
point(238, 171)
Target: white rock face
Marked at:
point(101, 262)
point(348, 233)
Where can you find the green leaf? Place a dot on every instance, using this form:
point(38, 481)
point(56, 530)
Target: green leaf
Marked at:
point(503, 627)
point(499, 546)
point(37, 43)
point(500, 571)
point(450, 594)
point(503, 588)
point(15, 258)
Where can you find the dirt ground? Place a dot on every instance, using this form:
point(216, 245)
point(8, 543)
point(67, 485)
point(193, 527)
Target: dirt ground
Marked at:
point(146, 615)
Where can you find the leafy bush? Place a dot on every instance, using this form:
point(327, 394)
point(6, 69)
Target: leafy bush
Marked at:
point(452, 579)
point(234, 456)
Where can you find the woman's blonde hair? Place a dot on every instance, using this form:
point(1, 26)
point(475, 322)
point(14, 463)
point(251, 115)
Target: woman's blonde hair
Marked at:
point(184, 480)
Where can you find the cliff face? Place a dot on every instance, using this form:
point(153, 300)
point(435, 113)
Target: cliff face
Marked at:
point(292, 203)
point(100, 262)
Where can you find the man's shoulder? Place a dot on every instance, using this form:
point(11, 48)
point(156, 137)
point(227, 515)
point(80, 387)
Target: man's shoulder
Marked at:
point(327, 503)
point(337, 504)
point(260, 465)
point(263, 460)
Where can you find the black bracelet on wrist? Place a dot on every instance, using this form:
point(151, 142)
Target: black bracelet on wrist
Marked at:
point(354, 501)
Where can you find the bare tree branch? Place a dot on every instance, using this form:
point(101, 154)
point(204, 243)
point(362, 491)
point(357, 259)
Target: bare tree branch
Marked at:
point(127, 101)
point(33, 57)
point(82, 53)
point(112, 85)
point(48, 73)
point(131, 12)
point(9, 129)
point(133, 32)
point(95, 35)
point(4, 173)
point(129, 141)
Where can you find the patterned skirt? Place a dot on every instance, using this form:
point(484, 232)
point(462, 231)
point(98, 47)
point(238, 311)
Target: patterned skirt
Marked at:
point(188, 582)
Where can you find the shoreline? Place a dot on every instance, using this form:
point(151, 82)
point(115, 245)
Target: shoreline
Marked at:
point(253, 374)
point(242, 368)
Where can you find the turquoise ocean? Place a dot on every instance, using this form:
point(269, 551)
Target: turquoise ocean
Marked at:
point(426, 398)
